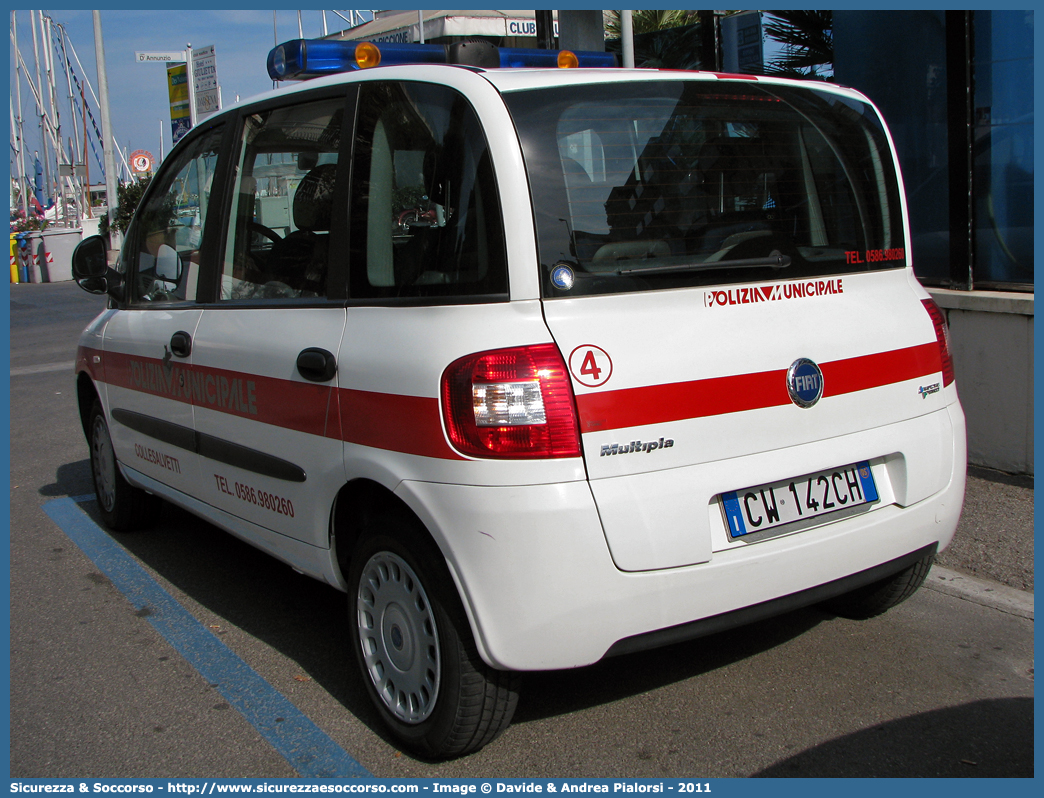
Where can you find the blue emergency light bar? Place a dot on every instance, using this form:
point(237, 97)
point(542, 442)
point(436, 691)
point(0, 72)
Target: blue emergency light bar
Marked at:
point(301, 59)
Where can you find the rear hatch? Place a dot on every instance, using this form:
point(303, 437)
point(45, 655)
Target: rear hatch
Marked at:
point(724, 269)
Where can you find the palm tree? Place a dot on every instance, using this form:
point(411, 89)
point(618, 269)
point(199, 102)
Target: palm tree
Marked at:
point(647, 21)
point(662, 39)
point(808, 42)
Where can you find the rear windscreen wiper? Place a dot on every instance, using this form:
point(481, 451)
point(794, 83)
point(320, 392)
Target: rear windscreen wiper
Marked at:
point(775, 260)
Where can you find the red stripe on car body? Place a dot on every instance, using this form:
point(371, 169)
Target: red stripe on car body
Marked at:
point(300, 406)
point(413, 424)
point(407, 424)
point(657, 404)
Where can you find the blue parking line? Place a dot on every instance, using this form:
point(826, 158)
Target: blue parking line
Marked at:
point(304, 745)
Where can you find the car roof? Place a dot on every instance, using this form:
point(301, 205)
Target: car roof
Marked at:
point(524, 79)
point(507, 80)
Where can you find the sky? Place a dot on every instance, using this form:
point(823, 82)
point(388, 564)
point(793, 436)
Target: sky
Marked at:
point(138, 100)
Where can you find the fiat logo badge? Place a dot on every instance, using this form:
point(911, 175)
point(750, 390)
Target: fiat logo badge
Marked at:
point(804, 382)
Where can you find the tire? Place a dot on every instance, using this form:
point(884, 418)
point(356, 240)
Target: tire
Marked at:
point(123, 507)
point(415, 651)
point(878, 597)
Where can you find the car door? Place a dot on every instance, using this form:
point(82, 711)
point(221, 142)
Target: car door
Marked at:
point(268, 427)
point(149, 381)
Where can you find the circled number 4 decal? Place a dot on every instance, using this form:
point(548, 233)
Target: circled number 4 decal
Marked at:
point(590, 365)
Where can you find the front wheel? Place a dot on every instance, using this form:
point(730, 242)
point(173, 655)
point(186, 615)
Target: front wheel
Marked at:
point(123, 507)
point(414, 646)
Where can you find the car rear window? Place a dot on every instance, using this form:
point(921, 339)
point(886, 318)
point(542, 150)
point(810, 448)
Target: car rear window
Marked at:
point(664, 184)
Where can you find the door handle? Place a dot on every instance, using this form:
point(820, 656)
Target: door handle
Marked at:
point(181, 344)
point(316, 365)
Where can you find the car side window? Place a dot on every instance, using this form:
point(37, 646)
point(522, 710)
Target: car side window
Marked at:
point(163, 243)
point(425, 213)
point(279, 226)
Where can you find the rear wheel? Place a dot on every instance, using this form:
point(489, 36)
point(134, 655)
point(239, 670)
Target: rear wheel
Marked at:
point(414, 646)
point(123, 507)
point(878, 597)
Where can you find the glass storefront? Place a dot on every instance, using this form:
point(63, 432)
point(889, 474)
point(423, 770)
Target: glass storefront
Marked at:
point(910, 87)
point(1002, 179)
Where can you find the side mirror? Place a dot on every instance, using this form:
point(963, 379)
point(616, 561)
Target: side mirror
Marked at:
point(90, 268)
point(90, 262)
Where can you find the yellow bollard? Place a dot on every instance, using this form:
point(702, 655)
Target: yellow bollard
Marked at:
point(14, 258)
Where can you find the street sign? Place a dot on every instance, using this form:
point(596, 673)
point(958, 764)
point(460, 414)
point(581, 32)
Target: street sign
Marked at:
point(144, 58)
point(192, 85)
point(141, 161)
point(742, 42)
point(72, 170)
point(205, 87)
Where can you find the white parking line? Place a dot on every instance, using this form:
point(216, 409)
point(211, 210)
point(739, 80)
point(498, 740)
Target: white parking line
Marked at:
point(43, 368)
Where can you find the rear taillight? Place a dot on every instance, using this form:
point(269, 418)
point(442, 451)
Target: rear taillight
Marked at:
point(942, 334)
point(511, 403)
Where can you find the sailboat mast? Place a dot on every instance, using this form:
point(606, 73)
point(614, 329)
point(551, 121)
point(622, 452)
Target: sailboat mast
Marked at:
point(23, 187)
point(40, 107)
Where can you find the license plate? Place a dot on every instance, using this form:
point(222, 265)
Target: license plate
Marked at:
point(789, 501)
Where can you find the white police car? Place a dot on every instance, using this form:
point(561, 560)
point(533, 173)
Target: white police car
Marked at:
point(540, 366)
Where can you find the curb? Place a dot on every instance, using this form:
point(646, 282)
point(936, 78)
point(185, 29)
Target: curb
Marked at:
point(980, 591)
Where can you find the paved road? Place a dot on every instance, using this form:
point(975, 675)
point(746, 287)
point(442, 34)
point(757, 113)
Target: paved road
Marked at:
point(941, 686)
point(995, 536)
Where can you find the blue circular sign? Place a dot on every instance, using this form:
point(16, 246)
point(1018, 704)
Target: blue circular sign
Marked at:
point(562, 277)
point(804, 382)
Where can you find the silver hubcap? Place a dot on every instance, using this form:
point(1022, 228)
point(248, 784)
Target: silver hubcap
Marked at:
point(103, 463)
point(400, 643)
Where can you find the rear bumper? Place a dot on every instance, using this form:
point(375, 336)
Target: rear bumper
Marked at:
point(542, 591)
point(767, 609)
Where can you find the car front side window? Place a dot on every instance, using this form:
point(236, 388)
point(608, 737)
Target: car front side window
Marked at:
point(162, 254)
point(279, 227)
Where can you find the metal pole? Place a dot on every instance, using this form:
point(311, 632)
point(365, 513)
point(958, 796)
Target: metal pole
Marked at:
point(45, 36)
point(18, 96)
point(191, 84)
point(16, 144)
point(40, 105)
point(82, 191)
point(627, 38)
point(74, 146)
point(63, 189)
point(111, 197)
point(54, 118)
point(14, 131)
point(420, 24)
point(545, 30)
point(86, 160)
